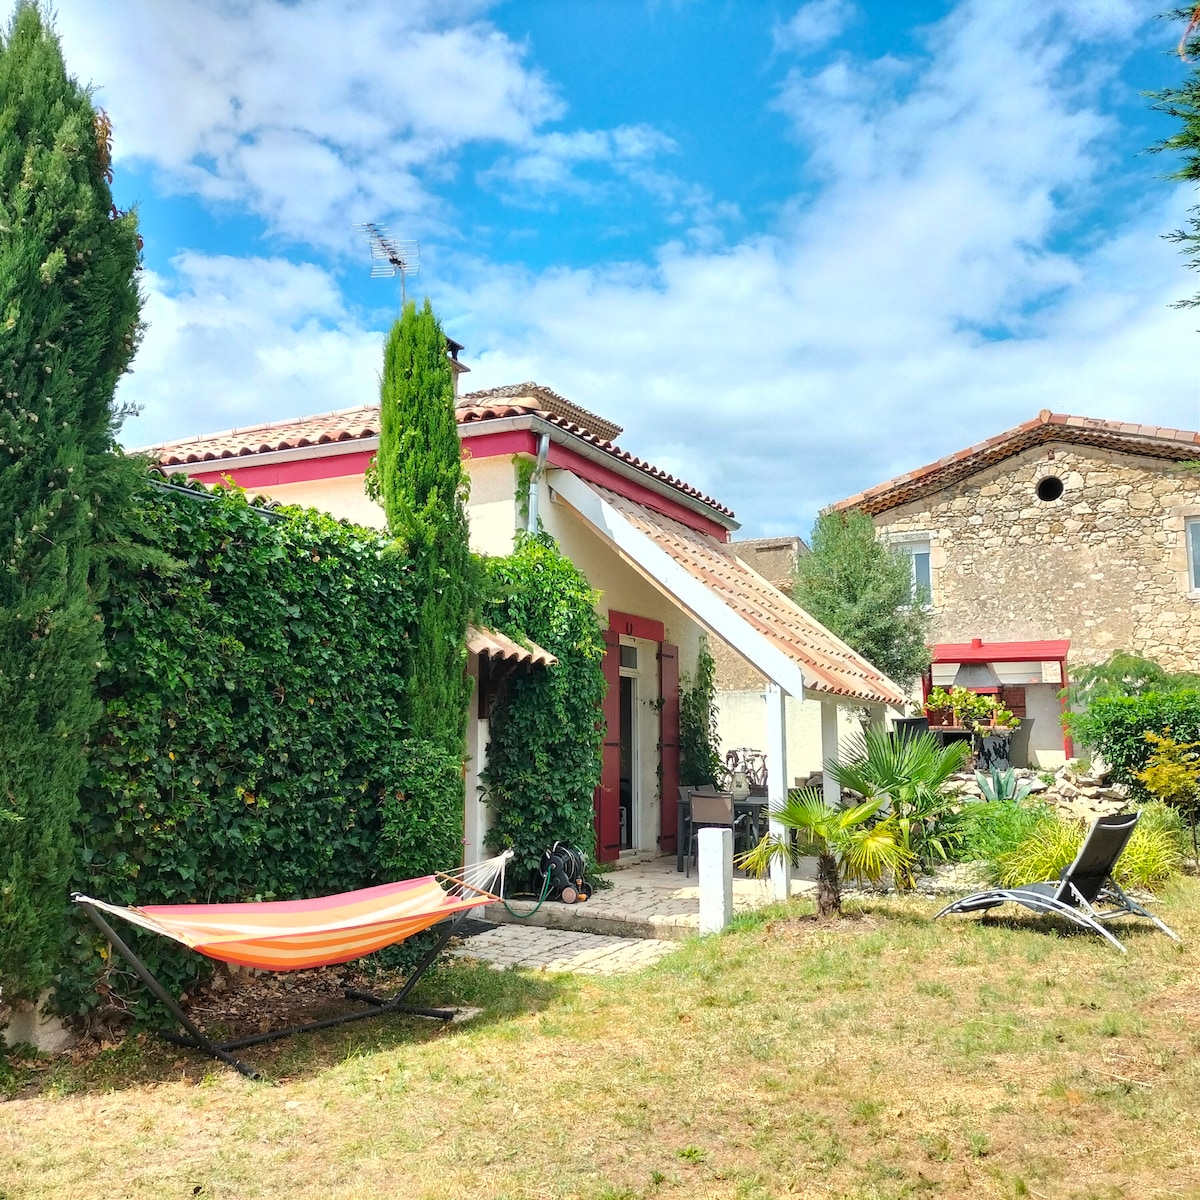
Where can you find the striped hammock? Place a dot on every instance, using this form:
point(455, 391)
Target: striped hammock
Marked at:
point(291, 935)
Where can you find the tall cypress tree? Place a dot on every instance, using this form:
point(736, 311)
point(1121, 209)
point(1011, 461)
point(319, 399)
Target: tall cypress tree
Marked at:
point(68, 326)
point(424, 491)
point(1183, 103)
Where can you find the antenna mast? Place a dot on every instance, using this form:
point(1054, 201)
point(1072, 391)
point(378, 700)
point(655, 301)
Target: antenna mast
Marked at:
point(390, 256)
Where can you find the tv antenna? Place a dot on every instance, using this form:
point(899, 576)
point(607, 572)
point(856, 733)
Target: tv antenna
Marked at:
point(390, 256)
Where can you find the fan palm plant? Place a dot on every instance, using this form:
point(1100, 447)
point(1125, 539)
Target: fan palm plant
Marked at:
point(908, 778)
point(846, 840)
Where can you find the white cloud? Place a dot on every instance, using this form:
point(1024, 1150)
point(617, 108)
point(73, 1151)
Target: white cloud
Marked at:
point(315, 113)
point(918, 302)
point(239, 341)
point(925, 292)
point(813, 25)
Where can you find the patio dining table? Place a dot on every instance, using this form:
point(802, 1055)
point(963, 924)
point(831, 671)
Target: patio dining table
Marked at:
point(754, 808)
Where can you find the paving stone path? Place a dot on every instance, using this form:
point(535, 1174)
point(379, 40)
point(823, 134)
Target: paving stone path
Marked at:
point(539, 949)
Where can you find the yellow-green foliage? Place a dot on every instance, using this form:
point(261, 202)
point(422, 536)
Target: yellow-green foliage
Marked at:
point(1153, 855)
point(1173, 772)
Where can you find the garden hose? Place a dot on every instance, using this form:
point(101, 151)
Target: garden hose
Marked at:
point(540, 900)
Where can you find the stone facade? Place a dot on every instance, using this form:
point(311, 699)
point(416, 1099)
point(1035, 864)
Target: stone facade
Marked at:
point(1103, 564)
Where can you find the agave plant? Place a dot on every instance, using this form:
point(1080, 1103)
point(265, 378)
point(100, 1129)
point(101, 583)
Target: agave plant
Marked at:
point(846, 840)
point(908, 777)
point(1000, 785)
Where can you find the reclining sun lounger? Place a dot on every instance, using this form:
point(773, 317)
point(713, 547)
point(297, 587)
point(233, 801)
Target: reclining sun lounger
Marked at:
point(292, 935)
point(1085, 883)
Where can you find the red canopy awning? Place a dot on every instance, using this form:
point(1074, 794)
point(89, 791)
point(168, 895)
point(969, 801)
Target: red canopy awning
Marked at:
point(978, 651)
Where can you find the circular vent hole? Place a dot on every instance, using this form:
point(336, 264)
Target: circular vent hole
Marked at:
point(1049, 488)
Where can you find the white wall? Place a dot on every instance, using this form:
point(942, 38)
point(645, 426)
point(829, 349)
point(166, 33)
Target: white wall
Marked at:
point(742, 721)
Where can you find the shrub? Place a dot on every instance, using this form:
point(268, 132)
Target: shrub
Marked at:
point(699, 744)
point(994, 828)
point(1116, 726)
point(251, 729)
point(546, 733)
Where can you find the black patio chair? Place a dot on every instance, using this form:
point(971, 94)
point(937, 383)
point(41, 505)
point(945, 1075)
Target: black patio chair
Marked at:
point(1085, 883)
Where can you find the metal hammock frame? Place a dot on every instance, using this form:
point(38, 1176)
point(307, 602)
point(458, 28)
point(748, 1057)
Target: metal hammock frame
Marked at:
point(465, 889)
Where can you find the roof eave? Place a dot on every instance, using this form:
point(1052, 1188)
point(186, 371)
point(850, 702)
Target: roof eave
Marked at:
point(586, 449)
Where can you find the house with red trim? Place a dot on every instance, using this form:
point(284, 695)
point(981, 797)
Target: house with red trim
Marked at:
point(654, 547)
point(1054, 543)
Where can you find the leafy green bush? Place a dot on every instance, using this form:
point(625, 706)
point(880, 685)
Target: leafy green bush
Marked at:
point(994, 828)
point(1116, 726)
point(546, 733)
point(251, 730)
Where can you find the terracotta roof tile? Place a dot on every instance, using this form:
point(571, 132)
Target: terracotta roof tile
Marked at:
point(349, 424)
point(473, 413)
point(497, 645)
point(547, 401)
point(828, 664)
point(346, 424)
point(1122, 436)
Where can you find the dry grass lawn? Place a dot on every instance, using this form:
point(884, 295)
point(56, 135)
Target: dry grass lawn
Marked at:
point(876, 1058)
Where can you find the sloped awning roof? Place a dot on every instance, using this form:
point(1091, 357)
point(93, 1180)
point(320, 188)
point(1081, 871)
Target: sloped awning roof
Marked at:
point(979, 651)
point(706, 578)
point(501, 648)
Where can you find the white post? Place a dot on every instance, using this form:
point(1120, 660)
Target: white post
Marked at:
point(716, 879)
point(777, 780)
point(830, 789)
point(474, 820)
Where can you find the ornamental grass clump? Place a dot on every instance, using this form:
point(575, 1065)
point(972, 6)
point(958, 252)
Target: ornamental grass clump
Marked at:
point(1153, 855)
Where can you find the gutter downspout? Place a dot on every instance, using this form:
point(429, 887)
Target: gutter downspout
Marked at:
point(531, 523)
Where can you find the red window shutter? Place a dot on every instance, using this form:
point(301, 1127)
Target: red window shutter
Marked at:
point(1013, 698)
point(668, 744)
point(607, 800)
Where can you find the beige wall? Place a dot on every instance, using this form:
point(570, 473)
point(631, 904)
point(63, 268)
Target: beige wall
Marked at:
point(1105, 565)
point(342, 497)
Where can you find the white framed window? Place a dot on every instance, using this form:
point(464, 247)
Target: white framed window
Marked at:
point(917, 550)
point(1191, 529)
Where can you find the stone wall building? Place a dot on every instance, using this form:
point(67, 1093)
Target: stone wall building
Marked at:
point(1063, 528)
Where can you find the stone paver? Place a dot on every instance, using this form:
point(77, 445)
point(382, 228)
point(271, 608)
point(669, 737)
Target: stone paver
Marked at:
point(540, 949)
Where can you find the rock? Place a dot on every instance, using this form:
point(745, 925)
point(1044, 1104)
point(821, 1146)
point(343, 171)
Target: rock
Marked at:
point(32, 1025)
point(1036, 785)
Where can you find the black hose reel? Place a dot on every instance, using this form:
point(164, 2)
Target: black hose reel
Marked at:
point(562, 874)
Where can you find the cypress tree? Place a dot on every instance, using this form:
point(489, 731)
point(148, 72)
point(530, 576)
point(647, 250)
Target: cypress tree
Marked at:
point(424, 492)
point(68, 326)
point(1183, 104)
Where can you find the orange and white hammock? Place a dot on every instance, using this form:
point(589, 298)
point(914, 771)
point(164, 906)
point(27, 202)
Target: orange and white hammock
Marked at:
point(291, 935)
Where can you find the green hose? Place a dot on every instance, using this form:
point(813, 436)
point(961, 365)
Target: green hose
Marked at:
point(540, 900)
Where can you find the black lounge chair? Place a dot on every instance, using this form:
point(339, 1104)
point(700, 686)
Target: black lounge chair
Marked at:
point(1085, 883)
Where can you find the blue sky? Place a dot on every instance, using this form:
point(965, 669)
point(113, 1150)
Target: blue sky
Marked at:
point(793, 248)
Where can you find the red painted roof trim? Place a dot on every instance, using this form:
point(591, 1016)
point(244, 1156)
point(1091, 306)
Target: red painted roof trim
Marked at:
point(296, 470)
point(524, 441)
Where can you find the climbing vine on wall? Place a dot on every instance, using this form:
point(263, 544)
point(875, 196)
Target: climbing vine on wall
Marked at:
point(699, 744)
point(547, 731)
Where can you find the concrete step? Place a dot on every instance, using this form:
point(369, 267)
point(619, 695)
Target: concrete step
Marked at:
point(600, 916)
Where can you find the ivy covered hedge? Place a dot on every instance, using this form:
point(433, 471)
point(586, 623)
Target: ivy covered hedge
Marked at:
point(251, 745)
point(544, 756)
point(1116, 726)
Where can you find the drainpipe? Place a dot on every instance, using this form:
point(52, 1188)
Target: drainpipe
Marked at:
point(538, 471)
